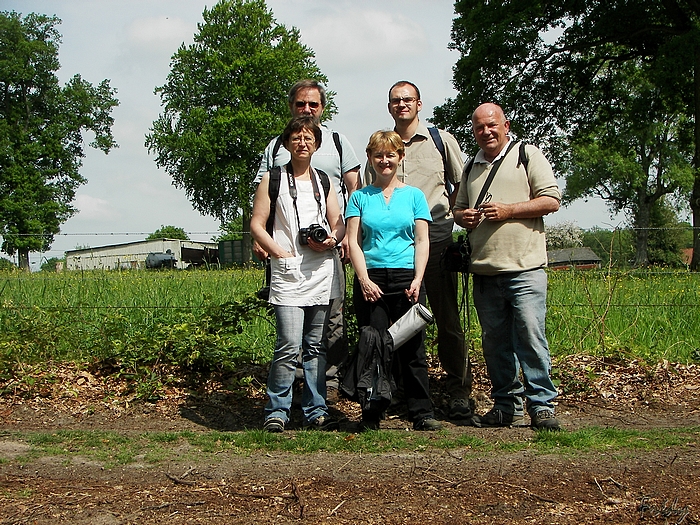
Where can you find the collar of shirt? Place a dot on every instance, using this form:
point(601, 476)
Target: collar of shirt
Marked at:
point(480, 159)
point(421, 133)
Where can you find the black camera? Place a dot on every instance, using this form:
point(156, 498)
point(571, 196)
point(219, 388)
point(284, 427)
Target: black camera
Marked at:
point(316, 232)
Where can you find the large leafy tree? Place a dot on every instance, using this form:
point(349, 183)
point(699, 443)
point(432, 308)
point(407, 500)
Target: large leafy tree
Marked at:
point(41, 133)
point(224, 99)
point(552, 65)
point(635, 154)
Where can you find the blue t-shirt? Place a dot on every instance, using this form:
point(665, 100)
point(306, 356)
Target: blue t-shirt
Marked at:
point(388, 230)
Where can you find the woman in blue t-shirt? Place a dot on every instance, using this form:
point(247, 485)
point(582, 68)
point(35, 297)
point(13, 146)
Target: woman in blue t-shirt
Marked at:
point(387, 229)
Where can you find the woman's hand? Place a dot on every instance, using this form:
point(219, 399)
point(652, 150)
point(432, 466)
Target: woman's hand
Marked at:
point(370, 291)
point(413, 291)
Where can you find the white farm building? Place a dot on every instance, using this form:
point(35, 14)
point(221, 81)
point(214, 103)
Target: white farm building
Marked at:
point(132, 255)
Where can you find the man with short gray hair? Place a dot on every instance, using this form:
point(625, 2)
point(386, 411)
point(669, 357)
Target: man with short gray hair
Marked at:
point(336, 157)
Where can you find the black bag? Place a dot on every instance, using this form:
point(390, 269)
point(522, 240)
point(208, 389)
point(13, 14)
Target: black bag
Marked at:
point(457, 256)
point(367, 376)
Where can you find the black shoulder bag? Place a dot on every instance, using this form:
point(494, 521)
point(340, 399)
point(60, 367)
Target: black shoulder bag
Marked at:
point(457, 255)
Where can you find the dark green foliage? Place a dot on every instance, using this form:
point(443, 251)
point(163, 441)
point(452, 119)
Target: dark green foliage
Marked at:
point(224, 99)
point(606, 88)
point(41, 133)
point(169, 232)
point(49, 265)
point(667, 237)
point(173, 346)
point(611, 245)
point(233, 230)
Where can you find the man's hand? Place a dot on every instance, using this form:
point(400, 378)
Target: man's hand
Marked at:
point(496, 211)
point(468, 218)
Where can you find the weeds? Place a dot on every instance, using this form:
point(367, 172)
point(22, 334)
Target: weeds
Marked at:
point(158, 329)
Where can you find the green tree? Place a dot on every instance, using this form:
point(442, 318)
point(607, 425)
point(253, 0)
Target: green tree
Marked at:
point(224, 99)
point(41, 133)
point(616, 246)
point(232, 231)
point(49, 265)
point(667, 236)
point(635, 154)
point(552, 64)
point(169, 232)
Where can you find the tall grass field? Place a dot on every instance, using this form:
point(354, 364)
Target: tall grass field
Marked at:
point(211, 320)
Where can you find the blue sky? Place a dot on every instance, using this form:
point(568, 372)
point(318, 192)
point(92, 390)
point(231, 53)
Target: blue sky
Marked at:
point(362, 46)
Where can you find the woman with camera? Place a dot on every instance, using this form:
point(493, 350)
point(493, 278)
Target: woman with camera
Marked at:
point(305, 276)
point(387, 225)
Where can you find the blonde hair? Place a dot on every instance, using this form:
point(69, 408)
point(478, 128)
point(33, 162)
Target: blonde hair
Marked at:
point(385, 141)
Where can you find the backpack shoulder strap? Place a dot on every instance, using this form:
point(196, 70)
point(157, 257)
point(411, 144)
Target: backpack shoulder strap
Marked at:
point(440, 145)
point(522, 156)
point(276, 148)
point(273, 190)
point(339, 147)
point(325, 181)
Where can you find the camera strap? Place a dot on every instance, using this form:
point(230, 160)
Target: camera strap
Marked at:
point(293, 192)
point(492, 174)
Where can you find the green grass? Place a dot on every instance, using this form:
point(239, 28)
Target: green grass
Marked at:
point(156, 326)
point(113, 449)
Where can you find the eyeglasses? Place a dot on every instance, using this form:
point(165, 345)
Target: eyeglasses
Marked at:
point(307, 140)
point(406, 100)
point(302, 104)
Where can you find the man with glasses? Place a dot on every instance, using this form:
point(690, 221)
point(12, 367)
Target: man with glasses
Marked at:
point(438, 177)
point(337, 159)
point(509, 255)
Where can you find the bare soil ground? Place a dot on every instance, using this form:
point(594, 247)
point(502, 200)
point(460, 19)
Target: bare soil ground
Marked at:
point(455, 486)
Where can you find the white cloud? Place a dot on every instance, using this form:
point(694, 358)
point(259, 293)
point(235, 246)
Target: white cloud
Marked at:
point(94, 208)
point(367, 38)
point(161, 33)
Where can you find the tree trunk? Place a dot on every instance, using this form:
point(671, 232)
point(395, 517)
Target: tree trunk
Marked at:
point(695, 197)
point(641, 224)
point(23, 259)
point(247, 238)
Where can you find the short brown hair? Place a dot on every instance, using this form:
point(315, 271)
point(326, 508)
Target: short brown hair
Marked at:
point(402, 83)
point(307, 84)
point(385, 140)
point(299, 123)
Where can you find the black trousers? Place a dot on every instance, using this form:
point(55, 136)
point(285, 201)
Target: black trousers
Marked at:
point(409, 359)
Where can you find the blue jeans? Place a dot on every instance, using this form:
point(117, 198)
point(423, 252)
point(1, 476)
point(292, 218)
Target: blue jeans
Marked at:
point(298, 328)
point(512, 309)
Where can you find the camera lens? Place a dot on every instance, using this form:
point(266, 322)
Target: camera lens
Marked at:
point(319, 234)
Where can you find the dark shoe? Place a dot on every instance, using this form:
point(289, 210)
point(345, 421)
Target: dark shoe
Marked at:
point(498, 418)
point(460, 409)
point(545, 420)
point(325, 423)
point(369, 424)
point(274, 425)
point(427, 423)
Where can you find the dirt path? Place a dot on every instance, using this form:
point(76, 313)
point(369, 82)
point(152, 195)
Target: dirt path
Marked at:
point(457, 486)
